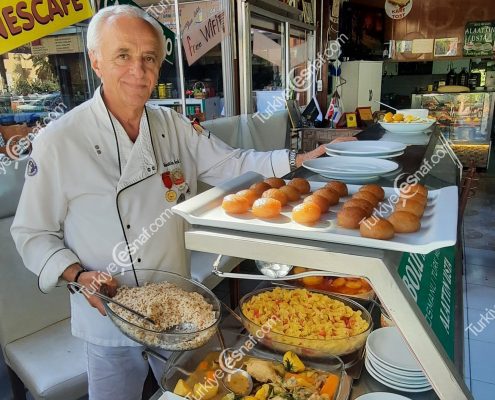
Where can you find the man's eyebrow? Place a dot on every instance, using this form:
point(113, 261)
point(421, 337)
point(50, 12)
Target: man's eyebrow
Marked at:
point(122, 50)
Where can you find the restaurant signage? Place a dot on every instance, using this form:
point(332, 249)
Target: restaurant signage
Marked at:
point(169, 35)
point(430, 278)
point(59, 44)
point(479, 39)
point(23, 21)
point(201, 38)
point(398, 9)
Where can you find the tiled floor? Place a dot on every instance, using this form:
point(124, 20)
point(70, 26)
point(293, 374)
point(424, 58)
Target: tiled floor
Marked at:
point(479, 233)
point(479, 294)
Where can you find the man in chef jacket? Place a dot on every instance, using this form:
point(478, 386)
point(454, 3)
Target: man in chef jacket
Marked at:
point(102, 174)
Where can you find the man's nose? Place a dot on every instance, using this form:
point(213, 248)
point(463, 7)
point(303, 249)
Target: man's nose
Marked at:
point(138, 67)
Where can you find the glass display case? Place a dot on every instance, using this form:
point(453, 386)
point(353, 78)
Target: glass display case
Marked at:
point(465, 119)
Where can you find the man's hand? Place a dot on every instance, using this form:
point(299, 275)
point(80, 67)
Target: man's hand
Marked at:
point(93, 281)
point(320, 150)
point(343, 139)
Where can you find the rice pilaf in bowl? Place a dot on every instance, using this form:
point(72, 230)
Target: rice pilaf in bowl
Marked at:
point(168, 299)
point(308, 322)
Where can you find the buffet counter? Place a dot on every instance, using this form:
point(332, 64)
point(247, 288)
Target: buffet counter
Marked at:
point(386, 271)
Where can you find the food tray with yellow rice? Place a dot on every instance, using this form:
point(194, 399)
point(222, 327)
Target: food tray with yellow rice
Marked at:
point(308, 322)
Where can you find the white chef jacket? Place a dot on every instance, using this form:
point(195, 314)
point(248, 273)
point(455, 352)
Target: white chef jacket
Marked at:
point(80, 201)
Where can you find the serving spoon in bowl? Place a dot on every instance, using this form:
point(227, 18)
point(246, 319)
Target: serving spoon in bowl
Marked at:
point(229, 379)
point(109, 300)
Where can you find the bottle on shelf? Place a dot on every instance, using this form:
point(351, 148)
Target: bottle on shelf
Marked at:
point(451, 78)
point(463, 77)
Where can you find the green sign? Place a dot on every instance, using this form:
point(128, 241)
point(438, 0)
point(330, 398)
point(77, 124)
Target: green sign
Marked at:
point(430, 278)
point(169, 35)
point(479, 39)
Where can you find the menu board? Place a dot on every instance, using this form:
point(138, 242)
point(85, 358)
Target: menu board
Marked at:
point(479, 39)
point(431, 280)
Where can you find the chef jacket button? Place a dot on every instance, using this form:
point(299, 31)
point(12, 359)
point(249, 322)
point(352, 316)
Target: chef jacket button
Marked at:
point(149, 169)
point(139, 260)
point(163, 135)
point(153, 168)
point(128, 226)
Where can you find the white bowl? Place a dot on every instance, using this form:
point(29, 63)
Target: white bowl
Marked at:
point(416, 112)
point(406, 127)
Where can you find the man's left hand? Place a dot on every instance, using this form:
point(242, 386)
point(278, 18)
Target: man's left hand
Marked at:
point(320, 150)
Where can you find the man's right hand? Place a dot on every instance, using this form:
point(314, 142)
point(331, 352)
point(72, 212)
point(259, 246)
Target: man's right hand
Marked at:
point(95, 281)
point(92, 281)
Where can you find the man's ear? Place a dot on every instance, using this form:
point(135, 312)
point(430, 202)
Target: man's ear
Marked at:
point(94, 63)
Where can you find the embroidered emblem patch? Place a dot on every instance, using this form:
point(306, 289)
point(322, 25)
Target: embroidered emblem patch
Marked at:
point(31, 168)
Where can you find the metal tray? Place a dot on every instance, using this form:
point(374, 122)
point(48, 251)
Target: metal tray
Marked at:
point(438, 224)
point(182, 364)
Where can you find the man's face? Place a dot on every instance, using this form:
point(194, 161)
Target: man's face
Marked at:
point(128, 61)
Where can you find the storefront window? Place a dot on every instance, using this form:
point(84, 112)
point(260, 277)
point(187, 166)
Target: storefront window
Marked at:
point(41, 81)
point(268, 64)
point(300, 43)
point(203, 75)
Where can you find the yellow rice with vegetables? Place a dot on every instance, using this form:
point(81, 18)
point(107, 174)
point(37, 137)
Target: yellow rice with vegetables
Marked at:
point(299, 317)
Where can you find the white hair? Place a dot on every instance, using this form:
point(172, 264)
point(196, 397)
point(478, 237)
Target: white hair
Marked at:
point(93, 36)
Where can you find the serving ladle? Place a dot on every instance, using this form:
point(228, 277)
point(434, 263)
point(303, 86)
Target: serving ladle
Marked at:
point(231, 372)
point(110, 300)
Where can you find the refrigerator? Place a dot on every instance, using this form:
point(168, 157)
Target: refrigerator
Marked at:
point(465, 119)
point(363, 84)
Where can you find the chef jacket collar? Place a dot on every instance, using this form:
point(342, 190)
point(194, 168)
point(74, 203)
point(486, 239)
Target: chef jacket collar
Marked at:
point(142, 163)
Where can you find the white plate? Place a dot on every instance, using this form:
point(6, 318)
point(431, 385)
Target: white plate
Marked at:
point(386, 382)
point(411, 380)
point(406, 127)
point(382, 396)
point(394, 380)
point(439, 225)
point(350, 166)
point(380, 365)
point(365, 147)
point(417, 138)
point(387, 345)
point(356, 180)
point(389, 155)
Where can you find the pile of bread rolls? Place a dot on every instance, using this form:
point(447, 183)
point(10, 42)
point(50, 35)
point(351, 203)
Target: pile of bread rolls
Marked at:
point(266, 199)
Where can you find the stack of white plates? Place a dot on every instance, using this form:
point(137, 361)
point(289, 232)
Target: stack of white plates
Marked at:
point(366, 148)
point(351, 169)
point(389, 361)
point(382, 396)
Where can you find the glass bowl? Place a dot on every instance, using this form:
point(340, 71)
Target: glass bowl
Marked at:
point(316, 348)
point(149, 337)
point(328, 284)
point(184, 365)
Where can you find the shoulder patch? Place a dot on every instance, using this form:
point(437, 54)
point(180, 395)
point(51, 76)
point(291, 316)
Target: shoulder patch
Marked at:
point(31, 168)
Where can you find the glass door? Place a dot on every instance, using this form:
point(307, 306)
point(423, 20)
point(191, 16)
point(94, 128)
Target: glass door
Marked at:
point(275, 51)
point(268, 66)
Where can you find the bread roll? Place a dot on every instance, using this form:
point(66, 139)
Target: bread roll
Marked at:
point(404, 222)
point(351, 217)
point(361, 203)
point(377, 190)
point(339, 187)
point(368, 196)
point(376, 228)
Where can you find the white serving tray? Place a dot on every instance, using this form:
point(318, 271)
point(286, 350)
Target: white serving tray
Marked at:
point(438, 225)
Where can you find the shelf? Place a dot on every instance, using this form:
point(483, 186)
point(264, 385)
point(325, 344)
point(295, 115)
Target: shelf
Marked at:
point(390, 273)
